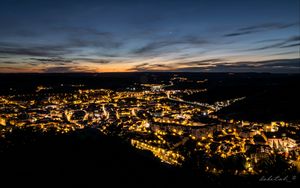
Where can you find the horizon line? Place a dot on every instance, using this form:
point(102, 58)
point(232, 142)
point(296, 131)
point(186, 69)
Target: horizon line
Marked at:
point(150, 72)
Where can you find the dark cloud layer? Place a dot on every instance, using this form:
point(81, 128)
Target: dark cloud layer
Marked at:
point(147, 67)
point(59, 69)
point(278, 65)
point(13, 49)
point(31, 52)
point(285, 43)
point(267, 26)
point(65, 69)
point(157, 46)
point(54, 60)
point(290, 45)
point(9, 62)
point(93, 60)
point(202, 62)
point(259, 28)
point(76, 40)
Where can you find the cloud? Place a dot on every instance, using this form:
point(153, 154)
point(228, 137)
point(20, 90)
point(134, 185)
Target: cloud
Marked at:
point(202, 62)
point(273, 66)
point(28, 52)
point(147, 67)
point(53, 59)
point(290, 45)
point(291, 63)
point(76, 36)
point(58, 70)
point(15, 69)
point(285, 53)
point(36, 51)
point(9, 62)
point(156, 46)
point(93, 60)
point(89, 37)
point(67, 69)
point(66, 61)
point(268, 40)
point(220, 65)
point(74, 39)
point(293, 39)
point(93, 42)
point(140, 68)
point(267, 26)
point(259, 28)
point(285, 43)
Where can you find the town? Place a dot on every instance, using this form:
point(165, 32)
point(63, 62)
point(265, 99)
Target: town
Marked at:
point(155, 118)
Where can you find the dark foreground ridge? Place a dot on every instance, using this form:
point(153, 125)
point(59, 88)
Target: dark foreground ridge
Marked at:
point(83, 157)
point(86, 157)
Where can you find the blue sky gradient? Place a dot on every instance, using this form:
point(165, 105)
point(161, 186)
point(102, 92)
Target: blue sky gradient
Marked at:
point(119, 36)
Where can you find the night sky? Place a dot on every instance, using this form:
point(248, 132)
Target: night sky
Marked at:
point(117, 36)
